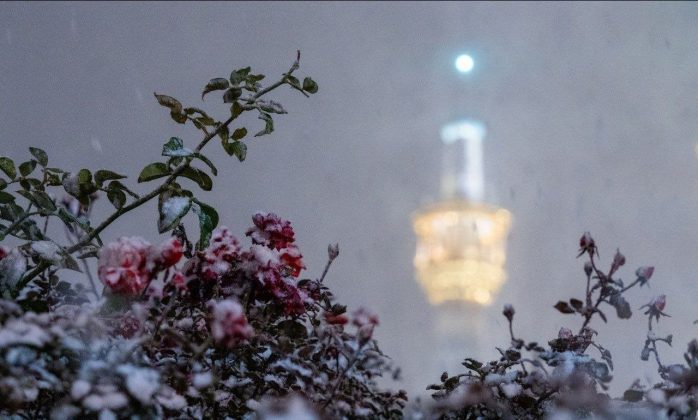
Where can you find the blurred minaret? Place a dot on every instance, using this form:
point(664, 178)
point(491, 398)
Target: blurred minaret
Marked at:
point(461, 246)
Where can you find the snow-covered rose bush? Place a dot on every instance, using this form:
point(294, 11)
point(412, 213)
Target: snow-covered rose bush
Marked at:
point(223, 325)
point(568, 377)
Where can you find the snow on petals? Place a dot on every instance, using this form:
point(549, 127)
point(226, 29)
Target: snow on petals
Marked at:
point(271, 230)
point(228, 323)
point(124, 265)
point(169, 252)
point(129, 264)
point(219, 256)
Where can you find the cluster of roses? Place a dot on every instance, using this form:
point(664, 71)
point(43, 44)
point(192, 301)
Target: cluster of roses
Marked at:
point(129, 265)
point(273, 263)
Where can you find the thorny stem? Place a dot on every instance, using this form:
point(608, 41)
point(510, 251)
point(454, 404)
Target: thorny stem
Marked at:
point(163, 187)
point(16, 223)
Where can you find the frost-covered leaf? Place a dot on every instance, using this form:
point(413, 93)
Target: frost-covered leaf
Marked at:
point(268, 124)
point(172, 210)
point(239, 76)
point(175, 148)
point(47, 250)
point(271, 106)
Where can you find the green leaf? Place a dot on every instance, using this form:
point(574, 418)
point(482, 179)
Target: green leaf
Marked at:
point(30, 183)
point(6, 197)
point(84, 176)
point(27, 167)
point(153, 171)
point(178, 117)
point(237, 149)
point(85, 185)
point(198, 176)
point(205, 160)
point(69, 219)
point(223, 133)
point(236, 109)
point(40, 156)
point(169, 102)
point(104, 175)
point(3, 184)
point(8, 166)
point(171, 210)
point(122, 187)
point(116, 197)
point(309, 85)
point(218, 83)
point(194, 110)
point(175, 148)
point(231, 94)
point(208, 220)
point(239, 133)
point(268, 124)
point(44, 201)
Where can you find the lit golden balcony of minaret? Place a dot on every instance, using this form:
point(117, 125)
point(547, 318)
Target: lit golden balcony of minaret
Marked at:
point(461, 241)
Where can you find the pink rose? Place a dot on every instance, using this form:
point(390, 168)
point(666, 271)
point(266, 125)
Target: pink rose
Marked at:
point(228, 323)
point(124, 266)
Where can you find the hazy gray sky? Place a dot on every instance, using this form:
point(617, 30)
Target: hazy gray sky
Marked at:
point(592, 112)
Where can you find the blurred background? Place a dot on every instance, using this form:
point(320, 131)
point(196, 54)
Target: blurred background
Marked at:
point(591, 112)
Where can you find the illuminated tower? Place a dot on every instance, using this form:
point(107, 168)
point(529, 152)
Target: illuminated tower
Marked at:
point(461, 244)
